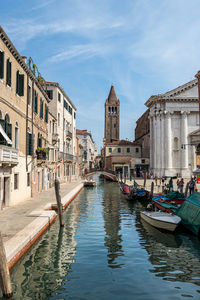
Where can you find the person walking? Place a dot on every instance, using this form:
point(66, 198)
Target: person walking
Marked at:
point(181, 185)
point(171, 185)
point(191, 186)
point(177, 183)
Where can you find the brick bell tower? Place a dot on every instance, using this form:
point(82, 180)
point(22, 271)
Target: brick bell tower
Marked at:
point(112, 106)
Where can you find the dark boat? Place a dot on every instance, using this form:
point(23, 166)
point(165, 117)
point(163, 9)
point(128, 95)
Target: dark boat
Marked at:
point(125, 189)
point(169, 203)
point(138, 193)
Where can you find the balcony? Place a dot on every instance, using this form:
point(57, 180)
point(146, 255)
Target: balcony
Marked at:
point(68, 135)
point(41, 154)
point(8, 156)
point(66, 156)
point(54, 138)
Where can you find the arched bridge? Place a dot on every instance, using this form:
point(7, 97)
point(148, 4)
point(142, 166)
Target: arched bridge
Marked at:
point(107, 173)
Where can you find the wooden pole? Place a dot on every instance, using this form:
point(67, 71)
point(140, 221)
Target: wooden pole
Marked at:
point(59, 204)
point(4, 272)
point(152, 188)
point(145, 178)
point(186, 190)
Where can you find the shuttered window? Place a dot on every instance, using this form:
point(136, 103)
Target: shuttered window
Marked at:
point(8, 130)
point(29, 144)
point(8, 73)
point(41, 108)
point(46, 113)
point(35, 102)
point(19, 84)
point(1, 64)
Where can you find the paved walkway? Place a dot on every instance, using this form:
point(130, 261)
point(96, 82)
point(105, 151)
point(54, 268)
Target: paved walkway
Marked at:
point(22, 224)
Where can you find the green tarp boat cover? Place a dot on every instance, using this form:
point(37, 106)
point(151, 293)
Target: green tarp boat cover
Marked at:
point(175, 195)
point(189, 212)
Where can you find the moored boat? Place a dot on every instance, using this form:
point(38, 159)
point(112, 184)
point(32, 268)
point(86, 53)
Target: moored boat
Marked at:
point(89, 183)
point(161, 220)
point(169, 203)
point(189, 212)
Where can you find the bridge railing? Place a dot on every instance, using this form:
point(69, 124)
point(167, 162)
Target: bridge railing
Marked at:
point(102, 170)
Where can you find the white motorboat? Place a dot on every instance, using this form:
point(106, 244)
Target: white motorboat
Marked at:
point(161, 220)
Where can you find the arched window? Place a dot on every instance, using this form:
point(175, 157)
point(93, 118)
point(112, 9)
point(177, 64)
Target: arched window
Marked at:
point(175, 143)
point(109, 109)
point(115, 109)
point(7, 118)
point(16, 135)
point(39, 140)
point(112, 109)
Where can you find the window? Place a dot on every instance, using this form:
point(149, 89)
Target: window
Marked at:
point(110, 150)
point(143, 161)
point(39, 143)
point(16, 136)
point(58, 144)
point(50, 94)
point(9, 72)
point(19, 84)
point(29, 95)
point(59, 97)
point(41, 108)
point(119, 150)
point(74, 115)
point(1, 64)
point(136, 150)
point(29, 144)
point(128, 150)
point(28, 179)
point(65, 105)
point(35, 108)
point(58, 119)
point(46, 113)
point(50, 126)
point(7, 127)
point(16, 181)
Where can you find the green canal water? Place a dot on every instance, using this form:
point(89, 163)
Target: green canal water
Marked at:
point(106, 252)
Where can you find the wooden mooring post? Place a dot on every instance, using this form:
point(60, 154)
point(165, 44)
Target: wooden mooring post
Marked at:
point(59, 204)
point(152, 188)
point(4, 272)
point(145, 178)
point(186, 190)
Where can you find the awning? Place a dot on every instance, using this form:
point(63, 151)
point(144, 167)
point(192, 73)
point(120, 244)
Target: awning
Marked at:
point(5, 135)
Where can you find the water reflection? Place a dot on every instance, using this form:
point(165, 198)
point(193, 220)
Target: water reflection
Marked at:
point(112, 219)
point(43, 269)
point(174, 256)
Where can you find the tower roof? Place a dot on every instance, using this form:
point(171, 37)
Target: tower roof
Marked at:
point(112, 98)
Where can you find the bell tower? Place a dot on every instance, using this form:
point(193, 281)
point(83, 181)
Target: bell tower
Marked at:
point(112, 106)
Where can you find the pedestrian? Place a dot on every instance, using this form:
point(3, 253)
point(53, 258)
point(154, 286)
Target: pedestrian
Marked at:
point(181, 185)
point(171, 185)
point(191, 186)
point(156, 180)
point(177, 183)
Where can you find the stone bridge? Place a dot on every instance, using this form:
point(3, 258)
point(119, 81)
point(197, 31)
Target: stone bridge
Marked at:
point(107, 173)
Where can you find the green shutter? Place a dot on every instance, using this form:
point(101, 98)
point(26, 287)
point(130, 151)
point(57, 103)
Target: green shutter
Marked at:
point(41, 108)
point(17, 82)
point(29, 144)
point(1, 64)
point(9, 71)
point(21, 85)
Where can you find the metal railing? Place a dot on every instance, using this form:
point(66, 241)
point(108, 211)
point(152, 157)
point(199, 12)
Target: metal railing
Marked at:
point(66, 156)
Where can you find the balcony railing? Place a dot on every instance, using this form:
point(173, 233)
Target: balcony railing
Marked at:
point(9, 155)
point(41, 154)
point(66, 156)
point(54, 138)
point(68, 135)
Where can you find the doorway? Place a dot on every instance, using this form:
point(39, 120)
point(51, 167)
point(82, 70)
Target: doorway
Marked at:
point(6, 192)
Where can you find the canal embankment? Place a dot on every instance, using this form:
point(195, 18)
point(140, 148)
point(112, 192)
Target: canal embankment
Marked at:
point(23, 224)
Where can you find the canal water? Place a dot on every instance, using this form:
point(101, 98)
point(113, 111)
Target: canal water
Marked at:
point(105, 252)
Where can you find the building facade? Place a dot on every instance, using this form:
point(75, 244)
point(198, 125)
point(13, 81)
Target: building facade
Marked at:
point(89, 148)
point(174, 131)
point(65, 111)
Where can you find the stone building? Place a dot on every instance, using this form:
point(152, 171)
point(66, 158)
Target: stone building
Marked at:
point(142, 134)
point(24, 121)
point(89, 148)
point(112, 107)
point(174, 131)
point(65, 111)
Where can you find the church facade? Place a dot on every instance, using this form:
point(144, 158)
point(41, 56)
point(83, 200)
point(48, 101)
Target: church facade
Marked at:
point(174, 131)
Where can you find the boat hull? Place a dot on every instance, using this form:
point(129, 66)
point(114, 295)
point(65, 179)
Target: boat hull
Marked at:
point(161, 220)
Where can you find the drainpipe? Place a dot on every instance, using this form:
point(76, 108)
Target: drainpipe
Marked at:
point(33, 162)
point(27, 123)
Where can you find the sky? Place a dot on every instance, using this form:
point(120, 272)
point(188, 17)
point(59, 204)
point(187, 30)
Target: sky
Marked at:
point(142, 47)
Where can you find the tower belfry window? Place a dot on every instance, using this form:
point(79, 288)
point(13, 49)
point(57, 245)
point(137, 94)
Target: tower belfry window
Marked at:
point(112, 109)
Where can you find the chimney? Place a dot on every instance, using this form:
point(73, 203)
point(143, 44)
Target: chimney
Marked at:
point(24, 58)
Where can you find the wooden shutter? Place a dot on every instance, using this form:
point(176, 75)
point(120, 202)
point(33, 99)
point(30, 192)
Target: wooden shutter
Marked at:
point(17, 82)
point(21, 85)
point(41, 108)
point(1, 64)
point(9, 71)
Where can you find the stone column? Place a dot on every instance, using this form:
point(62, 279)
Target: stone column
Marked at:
point(184, 139)
point(162, 144)
point(168, 141)
point(154, 144)
point(151, 141)
point(158, 145)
